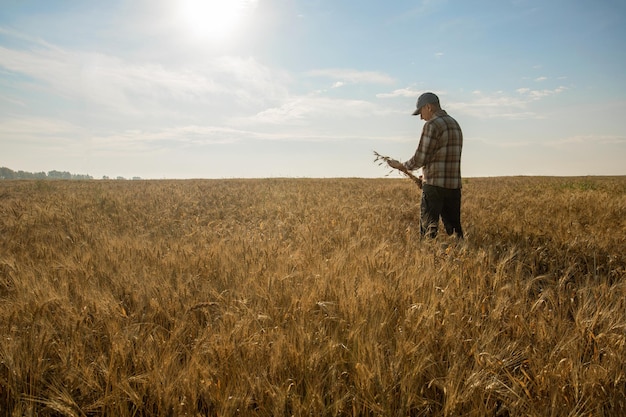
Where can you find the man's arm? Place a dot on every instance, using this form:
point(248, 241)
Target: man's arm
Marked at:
point(425, 149)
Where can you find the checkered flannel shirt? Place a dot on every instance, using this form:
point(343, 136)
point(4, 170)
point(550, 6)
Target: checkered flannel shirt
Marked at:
point(439, 152)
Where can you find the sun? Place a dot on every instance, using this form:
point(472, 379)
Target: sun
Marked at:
point(215, 20)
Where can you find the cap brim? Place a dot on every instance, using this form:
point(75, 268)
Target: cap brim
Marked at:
point(416, 112)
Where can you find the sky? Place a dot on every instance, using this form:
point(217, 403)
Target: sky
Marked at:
point(309, 88)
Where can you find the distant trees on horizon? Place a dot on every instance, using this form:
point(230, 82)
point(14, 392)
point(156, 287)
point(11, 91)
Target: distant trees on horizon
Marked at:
point(9, 174)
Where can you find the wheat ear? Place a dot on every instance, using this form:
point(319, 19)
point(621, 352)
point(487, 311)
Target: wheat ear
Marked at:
point(381, 158)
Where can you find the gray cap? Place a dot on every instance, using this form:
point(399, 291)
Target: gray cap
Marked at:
point(424, 99)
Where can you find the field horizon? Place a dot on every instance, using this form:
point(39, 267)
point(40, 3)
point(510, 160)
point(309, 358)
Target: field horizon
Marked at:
point(311, 296)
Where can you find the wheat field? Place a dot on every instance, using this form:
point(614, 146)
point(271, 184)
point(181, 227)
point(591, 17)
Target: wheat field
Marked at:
point(281, 297)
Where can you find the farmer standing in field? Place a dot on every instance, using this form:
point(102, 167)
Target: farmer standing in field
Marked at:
point(439, 156)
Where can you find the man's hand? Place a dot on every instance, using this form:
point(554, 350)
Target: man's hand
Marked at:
point(399, 166)
point(396, 164)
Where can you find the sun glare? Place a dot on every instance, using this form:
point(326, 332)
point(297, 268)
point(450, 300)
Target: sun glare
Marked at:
point(213, 19)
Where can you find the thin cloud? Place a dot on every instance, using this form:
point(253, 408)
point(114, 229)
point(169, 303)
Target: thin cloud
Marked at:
point(13, 101)
point(137, 140)
point(401, 92)
point(127, 89)
point(21, 128)
point(98, 78)
point(501, 105)
point(534, 95)
point(423, 7)
point(143, 140)
point(16, 35)
point(500, 143)
point(588, 139)
point(352, 76)
point(496, 106)
point(304, 109)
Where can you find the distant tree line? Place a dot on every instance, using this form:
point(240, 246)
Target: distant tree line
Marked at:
point(9, 174)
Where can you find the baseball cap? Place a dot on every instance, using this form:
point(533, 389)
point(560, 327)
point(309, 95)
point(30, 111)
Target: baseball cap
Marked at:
point(424, 99)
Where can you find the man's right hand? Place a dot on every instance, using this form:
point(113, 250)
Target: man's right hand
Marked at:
point(396, 164)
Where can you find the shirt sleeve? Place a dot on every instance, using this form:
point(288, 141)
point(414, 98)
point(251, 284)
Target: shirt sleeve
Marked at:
point(426, 148)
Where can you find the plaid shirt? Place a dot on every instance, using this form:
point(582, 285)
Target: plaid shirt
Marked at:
point(439, 152)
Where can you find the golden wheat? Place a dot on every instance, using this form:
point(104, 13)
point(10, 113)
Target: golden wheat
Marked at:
point(311, 297)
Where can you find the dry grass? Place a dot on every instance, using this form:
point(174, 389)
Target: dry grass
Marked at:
point(311, 297)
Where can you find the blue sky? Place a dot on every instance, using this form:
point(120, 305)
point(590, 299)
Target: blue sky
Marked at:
point(309, 88)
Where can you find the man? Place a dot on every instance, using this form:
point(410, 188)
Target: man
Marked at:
point(439, 156)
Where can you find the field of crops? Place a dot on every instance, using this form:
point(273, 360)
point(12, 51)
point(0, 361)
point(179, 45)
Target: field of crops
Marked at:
point(280, 297)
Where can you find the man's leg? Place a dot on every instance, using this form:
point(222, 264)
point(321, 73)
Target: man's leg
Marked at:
point(451, 213)
point(432, 203)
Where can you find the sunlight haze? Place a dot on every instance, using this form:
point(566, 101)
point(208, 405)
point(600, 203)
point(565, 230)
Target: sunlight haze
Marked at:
point(214, 20)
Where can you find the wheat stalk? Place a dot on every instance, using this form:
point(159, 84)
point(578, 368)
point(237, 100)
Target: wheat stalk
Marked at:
point(381, 158)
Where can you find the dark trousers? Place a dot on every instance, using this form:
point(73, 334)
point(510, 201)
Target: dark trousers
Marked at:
point(440, 202)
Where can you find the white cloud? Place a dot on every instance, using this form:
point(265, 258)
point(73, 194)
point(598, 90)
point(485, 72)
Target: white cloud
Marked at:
point(534, 95)
point(352, 76)
point(112, 87)
point(501, 105)
point(539, 79)
point(497, 105)
point(305, 109)
point(143, 140)
point(401, 92)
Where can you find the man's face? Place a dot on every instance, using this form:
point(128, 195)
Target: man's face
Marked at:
point(426, 112)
